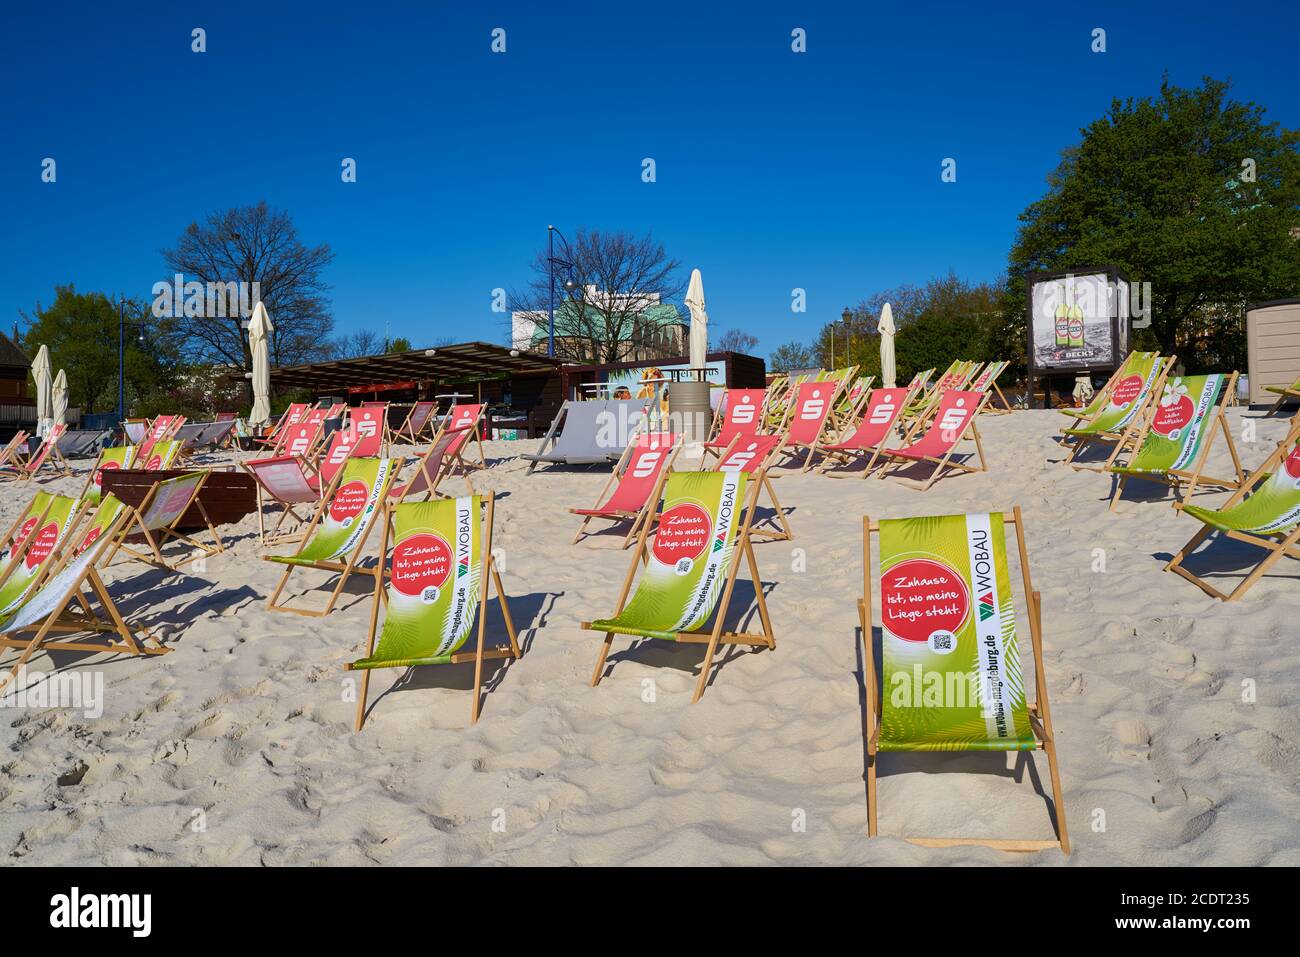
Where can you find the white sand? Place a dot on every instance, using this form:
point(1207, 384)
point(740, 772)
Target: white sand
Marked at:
point(246, 718)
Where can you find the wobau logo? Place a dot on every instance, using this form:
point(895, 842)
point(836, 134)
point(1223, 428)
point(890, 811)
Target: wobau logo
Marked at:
point(197, 300)
point(75, 910)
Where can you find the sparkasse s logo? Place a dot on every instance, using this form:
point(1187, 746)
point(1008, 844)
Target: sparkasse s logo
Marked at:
point(75, 910)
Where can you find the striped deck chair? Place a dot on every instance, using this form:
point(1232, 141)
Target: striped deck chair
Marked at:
point(811, 422)
point(417, 421)
point(639, 475)
point(884, 412)
point(690, 571)
point(753, 456)
point(72, 609)
point(369, 424)
point(441, 564)
point(33, 550)
point(283, 481)
point(951, 422)
point(1175, 440)
point(336, 536)
point(48, 452)
point(118, 457)
point(158, 520)
point(436, 464)
point(951, 678)
point(739, 415)
point(1264, 512)
point(1099, 400)
point(1121, 419)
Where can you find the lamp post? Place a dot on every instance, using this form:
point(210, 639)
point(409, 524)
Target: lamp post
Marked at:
point(846, 316)
point(569, 284)
point(121, 356)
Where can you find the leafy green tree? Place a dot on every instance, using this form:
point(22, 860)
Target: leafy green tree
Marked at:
point(1190, 191)
point(81, 331)
point(400, 344)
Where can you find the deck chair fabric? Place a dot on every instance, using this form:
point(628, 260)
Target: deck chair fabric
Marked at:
point(162, 456)
point(301, 440)
point(118, 457)
point(690, 571)
point(1263, 512)
point(369, 424)
point(163, 429)
point(12, 453)
point(884, 411)
point(466, 422)
point(72, 600)
point(436, 464)
point(291, 416)
point(987, 381)
point(809, 419)
point(82, 443)
point(343, 444)
point(440, 561)
point(282, 481)
point(337, 534)
point(135, 430)
point(1123, 414)
point(33, 549)
point(588, 434)
point(157, 519)
point(1178, 436)
point(948, 424)
point(951, 678)
point(1099, 399)
point(639, 477)
point(852, 398)
point(22, 525)
point(741, 415)
point(1284, 393)
point(200, 435)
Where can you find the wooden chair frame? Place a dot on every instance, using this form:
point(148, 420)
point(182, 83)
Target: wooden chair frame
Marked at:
point(646, 513)
point(1040, 712)
point(830, 425)
point(846, 456)
point(1275, 544)
point(942, 464)
point(112, 632)
point(159, 538)
point(711, 636)
point(480, 653)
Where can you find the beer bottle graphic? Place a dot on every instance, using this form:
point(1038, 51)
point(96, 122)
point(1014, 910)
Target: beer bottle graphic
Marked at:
point(1062, 325)
point(1075, 326)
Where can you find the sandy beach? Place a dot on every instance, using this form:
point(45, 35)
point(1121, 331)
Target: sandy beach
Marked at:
point(1176, 715)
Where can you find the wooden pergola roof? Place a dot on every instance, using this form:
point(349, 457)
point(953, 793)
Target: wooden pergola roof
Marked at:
point(461, 362)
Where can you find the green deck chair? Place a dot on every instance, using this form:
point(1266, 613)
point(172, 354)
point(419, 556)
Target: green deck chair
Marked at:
point(690, 570)
point(440, 562)
point(951, 678)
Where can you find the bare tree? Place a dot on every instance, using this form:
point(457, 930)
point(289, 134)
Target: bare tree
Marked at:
point(254, 244)
point(611, 314)
point(736, 340)
point(363, 342)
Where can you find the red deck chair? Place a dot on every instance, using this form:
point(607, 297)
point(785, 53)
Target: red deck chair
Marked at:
point(741, 417)
point(369, 424)
point(301, 440)
point(466, 421)
point(753, 455)
point(645, 463)
point(417, 420)
point(25, 470)
point(884, 410)
point(292, 416)
point(10, 454)
point(435, 465)
point(951, 421)
point(164, 428)
point(809, 417)
point(285, 482)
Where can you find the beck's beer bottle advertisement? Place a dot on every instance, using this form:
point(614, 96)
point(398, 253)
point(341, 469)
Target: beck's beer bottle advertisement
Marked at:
point(1072, 321)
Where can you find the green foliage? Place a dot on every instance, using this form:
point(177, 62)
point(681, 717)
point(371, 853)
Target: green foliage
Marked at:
point(81, 331)
point(1190, 191)
point(400, 344)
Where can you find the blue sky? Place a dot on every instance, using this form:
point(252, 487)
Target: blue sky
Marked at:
point(775, 170)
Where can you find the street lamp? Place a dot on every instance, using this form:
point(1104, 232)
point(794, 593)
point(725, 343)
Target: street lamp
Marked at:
point(847, 316)
point(569, 283)
point(121, 356)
